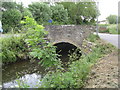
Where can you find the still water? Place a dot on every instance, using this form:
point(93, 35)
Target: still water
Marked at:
point(29, 72)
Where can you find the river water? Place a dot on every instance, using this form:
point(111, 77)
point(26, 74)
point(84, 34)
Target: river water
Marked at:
point(30, 72)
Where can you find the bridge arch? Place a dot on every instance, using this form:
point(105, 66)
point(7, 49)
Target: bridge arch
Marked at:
point(64, 49)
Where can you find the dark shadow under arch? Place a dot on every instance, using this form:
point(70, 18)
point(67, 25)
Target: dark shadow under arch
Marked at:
point(65, 48)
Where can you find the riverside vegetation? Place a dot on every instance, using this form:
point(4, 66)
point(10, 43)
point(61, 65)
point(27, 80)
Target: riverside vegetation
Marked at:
point(59, 13)
point(76, 73)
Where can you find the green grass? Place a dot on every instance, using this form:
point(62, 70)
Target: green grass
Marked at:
point(93, 37)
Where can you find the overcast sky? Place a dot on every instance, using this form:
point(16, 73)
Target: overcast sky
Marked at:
point(106, 7)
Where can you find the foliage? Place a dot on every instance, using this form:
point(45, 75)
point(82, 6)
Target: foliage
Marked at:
point(93, 38)
point(77, 72)
point(59, 14)
point(81, 12)
point(11, 19)
point(12, 15)
point(112, 19)
point(0, 12)
point(41, 12)
point(13, 48)
point(112, 29)
point(26, 12)
point(39, 47)
point(9, 5)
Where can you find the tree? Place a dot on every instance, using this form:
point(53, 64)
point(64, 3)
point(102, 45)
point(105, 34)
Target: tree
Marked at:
point(26, 12)
point(59, 14)
point(71, 8)
point(11, 19)
point(12, 15)
point(112, 19)
point(41, 12)
point(81, 12)
point(9, 5)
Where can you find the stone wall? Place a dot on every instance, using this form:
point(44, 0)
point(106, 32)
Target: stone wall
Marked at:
point(73, 34)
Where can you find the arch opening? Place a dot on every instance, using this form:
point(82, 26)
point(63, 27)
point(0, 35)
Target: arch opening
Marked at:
point(64, 49)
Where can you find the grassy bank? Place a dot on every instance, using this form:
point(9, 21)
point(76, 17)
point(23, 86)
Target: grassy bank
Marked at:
point(78, 70)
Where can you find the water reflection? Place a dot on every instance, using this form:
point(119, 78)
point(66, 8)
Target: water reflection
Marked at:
point(30, 80)
point(27, 71)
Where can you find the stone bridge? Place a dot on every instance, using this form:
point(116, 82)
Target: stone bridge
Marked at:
point(69, 34)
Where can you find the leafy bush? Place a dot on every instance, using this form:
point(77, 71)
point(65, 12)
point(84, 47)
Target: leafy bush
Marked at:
point(41, 12)
point(12, 49)
point(39, 47)
point(59, 14)
point(11, 19)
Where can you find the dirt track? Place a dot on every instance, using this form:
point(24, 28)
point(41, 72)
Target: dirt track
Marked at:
point(104, 74)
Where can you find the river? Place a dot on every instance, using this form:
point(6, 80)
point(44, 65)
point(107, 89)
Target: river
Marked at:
point(29, 72)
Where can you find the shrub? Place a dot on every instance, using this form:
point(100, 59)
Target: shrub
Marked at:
point(11, 18)
point(39, 48)
point(12, 49)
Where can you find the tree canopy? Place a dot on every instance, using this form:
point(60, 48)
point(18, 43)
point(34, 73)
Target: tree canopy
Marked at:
point(112, 19)
point(41, 12)
point(81, 12)
point(59, 14)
